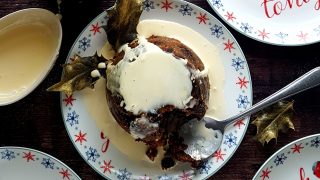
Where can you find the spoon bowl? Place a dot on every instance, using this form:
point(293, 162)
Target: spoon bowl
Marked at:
point(204, 137)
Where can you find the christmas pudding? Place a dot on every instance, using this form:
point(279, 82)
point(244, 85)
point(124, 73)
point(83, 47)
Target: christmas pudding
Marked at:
point(154, 86)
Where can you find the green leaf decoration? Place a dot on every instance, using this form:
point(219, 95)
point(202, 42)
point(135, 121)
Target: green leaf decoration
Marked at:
point(77, 74)
point(122, 23)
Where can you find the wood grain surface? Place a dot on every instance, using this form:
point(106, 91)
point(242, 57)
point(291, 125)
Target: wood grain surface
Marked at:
point(36, 120)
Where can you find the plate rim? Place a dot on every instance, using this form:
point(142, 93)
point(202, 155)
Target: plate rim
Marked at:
point(256, 39)
point(282, 148)
point(246, 120)
point(42, 153)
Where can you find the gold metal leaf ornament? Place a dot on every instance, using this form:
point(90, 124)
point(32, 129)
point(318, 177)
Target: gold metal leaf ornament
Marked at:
point(273, 119)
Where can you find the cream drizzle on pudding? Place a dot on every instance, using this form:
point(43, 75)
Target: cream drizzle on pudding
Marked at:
point(148, 78)
point(206, 51)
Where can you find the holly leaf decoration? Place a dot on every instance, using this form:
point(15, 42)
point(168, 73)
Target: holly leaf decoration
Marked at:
point(273, 119)
point(77, 74)
point(122, 23)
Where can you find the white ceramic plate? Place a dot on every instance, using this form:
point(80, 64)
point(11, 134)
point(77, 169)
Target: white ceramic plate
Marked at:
point(297, 160)
point(96, 148)
point(297, 23)
point(18, 163)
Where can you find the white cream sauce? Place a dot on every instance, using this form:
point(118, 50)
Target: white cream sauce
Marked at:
point(206, 51)
point(150, 78)
point(25, 52)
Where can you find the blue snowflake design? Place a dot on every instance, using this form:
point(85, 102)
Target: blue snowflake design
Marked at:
point(47, 163)
point(8, 155)
point(92, 154)
point(246, 28)
point(243, 102)
point(165, 177)
point(280, 159)
point(315, 142)
point(148, 5)
point(230, 140)
point(317, 30)
point(238, 63)
point(185, 10)
point(282, 36)
point(216, 31)
point(123, 174)
point(217, 3)
point(73, 118)
point(205, 168)
point(84, 43)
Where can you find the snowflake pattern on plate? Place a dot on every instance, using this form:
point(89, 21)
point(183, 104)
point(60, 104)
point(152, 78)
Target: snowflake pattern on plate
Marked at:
point(246, 28)
point(73, 118)
point(28, 163)
point(315, 142)
point(84, 43)
point(294, 157)
point(243, 101)
point(216, 30)
point(95, 147)
point(47, 163)
point(230, 140)
point(92, 154)
point(123, 174)
point(238, 63)
point(280, 159)
point(147, 5)
point(205, 168)
point(7, 154)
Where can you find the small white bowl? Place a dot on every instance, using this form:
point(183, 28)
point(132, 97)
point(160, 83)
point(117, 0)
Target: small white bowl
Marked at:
point(30, 40)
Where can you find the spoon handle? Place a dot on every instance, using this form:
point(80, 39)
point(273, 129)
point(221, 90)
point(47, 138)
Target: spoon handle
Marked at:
point(306, 81)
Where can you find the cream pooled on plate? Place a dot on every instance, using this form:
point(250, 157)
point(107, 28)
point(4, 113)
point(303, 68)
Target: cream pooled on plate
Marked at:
point(183, 83)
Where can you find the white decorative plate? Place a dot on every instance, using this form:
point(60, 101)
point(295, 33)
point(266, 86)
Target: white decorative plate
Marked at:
point(279, 22)
point(24, 163)
point(297, 160)
point(99, 151)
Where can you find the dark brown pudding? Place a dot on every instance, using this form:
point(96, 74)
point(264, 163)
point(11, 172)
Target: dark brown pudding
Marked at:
point(159, 127)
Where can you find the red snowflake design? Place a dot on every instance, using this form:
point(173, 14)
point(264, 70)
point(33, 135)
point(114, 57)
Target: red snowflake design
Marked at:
point(228, 45)
point(185, 176)
point(166, 5)
point(297, 148)
point(202, 18)
point(219, 155)
point(28, 156)
point(68, 100)
point(95, 28)
point(239, 123)
point(302, 36)
point(230, 16)
point(107, 166)
point(80, 137)
point(263, 34)
point(265, 174)
point(242, 82)
point(65, 174)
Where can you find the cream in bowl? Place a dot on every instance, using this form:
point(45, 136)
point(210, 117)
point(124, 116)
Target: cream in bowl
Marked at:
point(29, 45)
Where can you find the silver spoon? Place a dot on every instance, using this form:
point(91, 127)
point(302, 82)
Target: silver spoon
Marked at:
point(204, 137)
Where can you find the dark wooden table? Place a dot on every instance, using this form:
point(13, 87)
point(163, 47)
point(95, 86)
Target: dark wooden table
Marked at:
point(36, 121)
